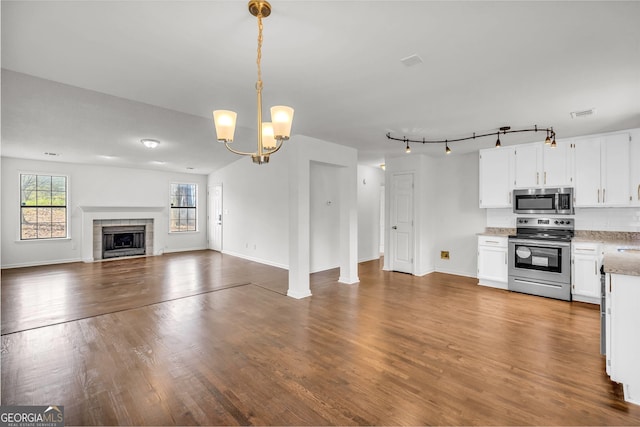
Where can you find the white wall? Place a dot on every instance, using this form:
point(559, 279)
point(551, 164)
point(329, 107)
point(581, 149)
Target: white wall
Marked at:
point(458, 216)
point(255, 209)
point(370, 181)
point(447, 216)
point(324, 230)
point(91, 186)
point(256, 206)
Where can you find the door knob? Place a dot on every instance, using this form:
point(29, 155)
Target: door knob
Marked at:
point(394, 227)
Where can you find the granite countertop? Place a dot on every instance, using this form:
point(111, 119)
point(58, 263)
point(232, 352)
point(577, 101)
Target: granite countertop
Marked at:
point(614, 261)
point(493, 231)
point(622, 262)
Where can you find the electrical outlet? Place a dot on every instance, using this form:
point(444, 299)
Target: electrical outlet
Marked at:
point(444, 254)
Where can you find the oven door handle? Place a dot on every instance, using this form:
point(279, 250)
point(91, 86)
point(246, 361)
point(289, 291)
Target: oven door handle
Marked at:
point(540, 243)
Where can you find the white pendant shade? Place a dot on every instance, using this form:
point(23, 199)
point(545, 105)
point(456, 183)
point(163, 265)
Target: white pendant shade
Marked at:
point(268, 140)
point(225, 122)
point(282, 118)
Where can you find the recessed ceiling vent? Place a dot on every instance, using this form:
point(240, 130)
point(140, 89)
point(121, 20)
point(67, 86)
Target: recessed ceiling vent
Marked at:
point(412, 60)
point(583, 114)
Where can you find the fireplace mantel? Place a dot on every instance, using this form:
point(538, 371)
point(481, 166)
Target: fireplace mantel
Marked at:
point(90, 213)
point(122, 208)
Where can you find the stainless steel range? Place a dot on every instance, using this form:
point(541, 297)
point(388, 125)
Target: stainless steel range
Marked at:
point(540, 257)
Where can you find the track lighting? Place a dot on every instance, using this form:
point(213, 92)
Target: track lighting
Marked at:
point(551, 137)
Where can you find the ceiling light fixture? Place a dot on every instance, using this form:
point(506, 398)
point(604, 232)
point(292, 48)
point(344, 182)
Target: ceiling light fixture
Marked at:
point(150, 143)
point(551, 137)
point(407, 149)
point(272, 134)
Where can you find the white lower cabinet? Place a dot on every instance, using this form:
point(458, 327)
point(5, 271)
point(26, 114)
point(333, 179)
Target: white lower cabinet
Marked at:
point(623, 324)
point(586, 259)
point(493, 261)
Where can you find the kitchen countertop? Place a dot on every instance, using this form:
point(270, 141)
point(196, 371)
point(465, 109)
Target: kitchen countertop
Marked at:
point(622, 262)
point(494, 231)
point(614, 261)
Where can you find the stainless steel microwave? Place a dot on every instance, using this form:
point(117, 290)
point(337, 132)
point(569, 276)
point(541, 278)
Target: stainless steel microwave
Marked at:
point(558, 201)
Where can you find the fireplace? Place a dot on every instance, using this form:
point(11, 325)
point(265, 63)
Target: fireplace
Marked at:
point(122, 241)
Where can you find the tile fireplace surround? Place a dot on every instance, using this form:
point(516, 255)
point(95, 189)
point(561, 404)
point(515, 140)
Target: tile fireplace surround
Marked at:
point(98, 224)
point(95, 217)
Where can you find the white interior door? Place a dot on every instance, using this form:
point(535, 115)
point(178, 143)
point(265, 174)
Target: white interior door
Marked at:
point(215, 219)
point(401, 222)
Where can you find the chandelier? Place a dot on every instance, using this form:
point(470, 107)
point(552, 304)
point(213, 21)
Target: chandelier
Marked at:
point(272, 134)
point(549, 140)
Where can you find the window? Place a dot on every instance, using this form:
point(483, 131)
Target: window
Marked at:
point(183, 207)
point(43, 207)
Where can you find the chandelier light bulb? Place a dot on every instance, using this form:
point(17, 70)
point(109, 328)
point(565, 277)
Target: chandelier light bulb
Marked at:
point(225, 122)
point(268, 140)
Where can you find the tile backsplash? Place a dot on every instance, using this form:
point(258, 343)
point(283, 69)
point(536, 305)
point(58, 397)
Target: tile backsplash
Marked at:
point(605, 219)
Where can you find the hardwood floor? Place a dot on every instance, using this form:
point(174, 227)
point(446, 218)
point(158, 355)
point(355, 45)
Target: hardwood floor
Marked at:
point(209, 339)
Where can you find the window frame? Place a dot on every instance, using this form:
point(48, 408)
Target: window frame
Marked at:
point(195, 208)
point(66, 206)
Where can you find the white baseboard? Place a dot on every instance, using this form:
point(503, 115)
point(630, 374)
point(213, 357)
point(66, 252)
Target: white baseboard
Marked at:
point(258, 260)
point(38, 264)
point(456, 272)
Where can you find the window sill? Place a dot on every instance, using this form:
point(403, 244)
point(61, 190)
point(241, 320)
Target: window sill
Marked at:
point(55, 239)
point(184, 232)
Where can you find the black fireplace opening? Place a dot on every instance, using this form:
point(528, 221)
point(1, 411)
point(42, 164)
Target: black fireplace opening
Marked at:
point(122, 241)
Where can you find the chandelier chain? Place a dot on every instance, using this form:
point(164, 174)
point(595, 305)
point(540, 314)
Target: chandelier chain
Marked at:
point(258, 60)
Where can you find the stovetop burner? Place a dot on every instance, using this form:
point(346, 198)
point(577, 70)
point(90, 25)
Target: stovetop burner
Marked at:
point(558, 229)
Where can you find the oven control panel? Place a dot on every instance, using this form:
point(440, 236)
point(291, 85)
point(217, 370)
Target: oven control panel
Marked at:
point(563, 223)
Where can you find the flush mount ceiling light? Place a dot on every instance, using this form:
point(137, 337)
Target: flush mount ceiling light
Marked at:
point(550, 140)
point(272, 134)
point(150, 143)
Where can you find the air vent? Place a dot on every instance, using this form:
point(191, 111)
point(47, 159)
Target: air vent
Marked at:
point(412, 60)
point(583, 113)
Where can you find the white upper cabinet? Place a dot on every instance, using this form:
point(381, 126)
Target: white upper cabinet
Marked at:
point(540, 165)
point(558, 167)
point(602, 171)
point(496, 177)
point(528, 168)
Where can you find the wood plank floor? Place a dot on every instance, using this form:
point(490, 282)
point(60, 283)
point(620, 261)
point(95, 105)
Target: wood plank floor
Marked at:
point(204, 338)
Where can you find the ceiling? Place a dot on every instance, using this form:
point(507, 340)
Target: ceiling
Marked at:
point(88, 79)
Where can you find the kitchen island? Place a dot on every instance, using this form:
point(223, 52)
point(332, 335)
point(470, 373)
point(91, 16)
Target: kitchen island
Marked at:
point(622, 268)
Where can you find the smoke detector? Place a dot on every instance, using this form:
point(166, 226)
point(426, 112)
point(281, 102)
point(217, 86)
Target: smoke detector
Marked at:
point(583, 114)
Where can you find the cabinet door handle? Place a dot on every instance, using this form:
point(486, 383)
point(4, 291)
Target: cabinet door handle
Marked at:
point(537, 178)
point(595, 263)
point(545, 178)
point(505, 258)
point(603, 192)
point(638, 191)
point(598, 195)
